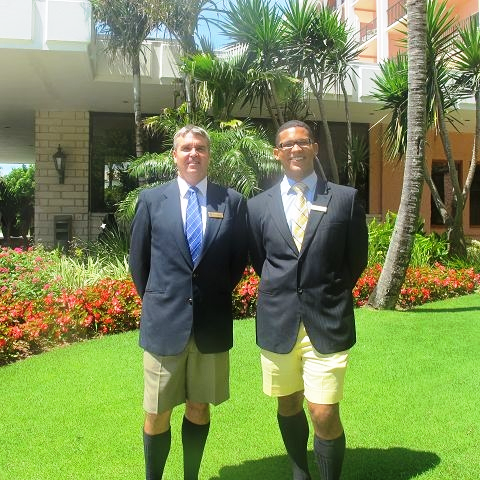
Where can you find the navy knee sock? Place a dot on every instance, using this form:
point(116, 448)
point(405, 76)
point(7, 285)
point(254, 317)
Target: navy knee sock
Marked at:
point(156, 449)
point(294, 430)
point(194, 438)
point(329, 456)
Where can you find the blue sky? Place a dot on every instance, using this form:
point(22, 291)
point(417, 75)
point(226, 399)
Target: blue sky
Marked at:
point(217, 38)
point(6, 168)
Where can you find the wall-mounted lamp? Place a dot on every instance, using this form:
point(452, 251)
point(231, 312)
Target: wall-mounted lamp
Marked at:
point(59, 158)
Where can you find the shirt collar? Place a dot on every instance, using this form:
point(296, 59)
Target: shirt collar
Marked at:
point(184, 186)
point(288, 183)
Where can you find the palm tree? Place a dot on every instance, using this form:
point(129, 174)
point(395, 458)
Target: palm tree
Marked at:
point(320, 48)
point(467, 65)
point(125, 26)
point(386, 293)
point(442, 96)
point(257, 25)
point(220, 83)
point(241, 158)
point(347, 51)
point(180, 19)
point(392, 94)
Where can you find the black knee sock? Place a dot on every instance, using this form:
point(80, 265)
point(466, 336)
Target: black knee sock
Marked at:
point(156, 449)
point(294, 430)
point(329, 455)
point(194, 438)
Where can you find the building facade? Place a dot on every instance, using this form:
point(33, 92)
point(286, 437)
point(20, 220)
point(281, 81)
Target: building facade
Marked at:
point(57, 88)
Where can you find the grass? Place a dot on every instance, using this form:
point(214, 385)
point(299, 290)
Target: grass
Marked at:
point(410, 407)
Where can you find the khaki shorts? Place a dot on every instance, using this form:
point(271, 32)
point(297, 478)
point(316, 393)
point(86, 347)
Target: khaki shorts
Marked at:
point(320, 376)
point(191, 375)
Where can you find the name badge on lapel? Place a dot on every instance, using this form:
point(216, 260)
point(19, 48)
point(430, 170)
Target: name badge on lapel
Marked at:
point(319, 208)
point(215, 214)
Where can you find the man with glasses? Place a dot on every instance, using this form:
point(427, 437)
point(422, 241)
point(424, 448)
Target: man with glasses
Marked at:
point(188, 251)
point(308, 243)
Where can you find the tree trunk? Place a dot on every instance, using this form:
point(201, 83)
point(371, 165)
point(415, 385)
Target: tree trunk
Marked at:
point(137, 107)
point(281, 119)
point(386, 293)
point(318, 92)
point(455, 233)
point(351, 173)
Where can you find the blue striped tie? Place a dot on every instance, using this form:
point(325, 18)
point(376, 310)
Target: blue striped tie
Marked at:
point(193, 224)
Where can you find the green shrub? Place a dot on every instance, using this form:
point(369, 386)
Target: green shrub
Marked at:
point(427, 248)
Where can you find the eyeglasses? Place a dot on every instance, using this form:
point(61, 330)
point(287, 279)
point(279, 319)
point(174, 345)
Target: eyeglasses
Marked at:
point(302, 142)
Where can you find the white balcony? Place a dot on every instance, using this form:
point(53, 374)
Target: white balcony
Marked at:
point(52, 60)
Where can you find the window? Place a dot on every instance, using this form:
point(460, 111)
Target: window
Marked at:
point(112, 147)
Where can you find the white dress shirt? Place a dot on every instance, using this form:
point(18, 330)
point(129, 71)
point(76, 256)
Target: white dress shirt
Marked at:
point(289, 195)
point(201, 195)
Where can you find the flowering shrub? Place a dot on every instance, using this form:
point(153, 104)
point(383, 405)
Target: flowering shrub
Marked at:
point(37, 311)
point(27, 272)
point(421, 285)
point(31, 326)
point(245, 295)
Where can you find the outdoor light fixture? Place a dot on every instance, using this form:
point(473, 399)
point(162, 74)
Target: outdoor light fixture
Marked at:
point(59, 158)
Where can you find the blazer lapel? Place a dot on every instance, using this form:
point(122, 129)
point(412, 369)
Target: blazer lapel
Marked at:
point(173, 219)
point(215, 215)
point(275, 205)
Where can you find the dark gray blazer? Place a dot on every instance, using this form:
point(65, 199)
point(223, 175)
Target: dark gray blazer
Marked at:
point(178, 298)
point(314, 285)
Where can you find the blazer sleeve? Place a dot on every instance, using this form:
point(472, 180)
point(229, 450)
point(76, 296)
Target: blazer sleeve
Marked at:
point(240, 253)
point(255, 243)
point(357, 242)
point(140, 245)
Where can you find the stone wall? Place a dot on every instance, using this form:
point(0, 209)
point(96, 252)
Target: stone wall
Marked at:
point(67, 202)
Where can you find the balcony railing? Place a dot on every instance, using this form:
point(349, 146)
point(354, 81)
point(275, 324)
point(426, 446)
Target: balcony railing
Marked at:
point(461, 24)
point(396, 12)
point(368, 30)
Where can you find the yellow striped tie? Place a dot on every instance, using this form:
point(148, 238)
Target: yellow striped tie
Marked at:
point(300, 218)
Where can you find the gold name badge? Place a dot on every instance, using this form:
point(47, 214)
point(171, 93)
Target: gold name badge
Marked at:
point(215, 214)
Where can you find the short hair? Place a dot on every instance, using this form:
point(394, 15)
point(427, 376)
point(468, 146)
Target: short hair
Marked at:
point(293, 124)
point(184, 131)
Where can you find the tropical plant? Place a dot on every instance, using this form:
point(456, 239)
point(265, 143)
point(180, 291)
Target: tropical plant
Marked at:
point(125, 26)
point(180, 19)
point(466, 62)
point(17, 192)
point(391, 91)
point(357, 159)
point(241, 158)
point(428, 249)
point(218, 82)
point(320, 49)
point(257, 25)
point(447, 48)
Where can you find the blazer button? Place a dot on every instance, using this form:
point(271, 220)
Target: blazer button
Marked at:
point(299, 291)
point(195, 275)
point(190, 301)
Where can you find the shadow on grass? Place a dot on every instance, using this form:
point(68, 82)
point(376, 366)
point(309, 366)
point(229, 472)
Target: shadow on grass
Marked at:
point(360, 464)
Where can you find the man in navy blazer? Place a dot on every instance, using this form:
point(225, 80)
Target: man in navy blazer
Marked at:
point(186, 327)
point(305, 321)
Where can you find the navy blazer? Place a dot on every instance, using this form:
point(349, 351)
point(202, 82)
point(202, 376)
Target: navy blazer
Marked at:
point(313, 286)
point(178, 298)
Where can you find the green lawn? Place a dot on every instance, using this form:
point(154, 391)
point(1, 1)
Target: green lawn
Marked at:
point(411, 407)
